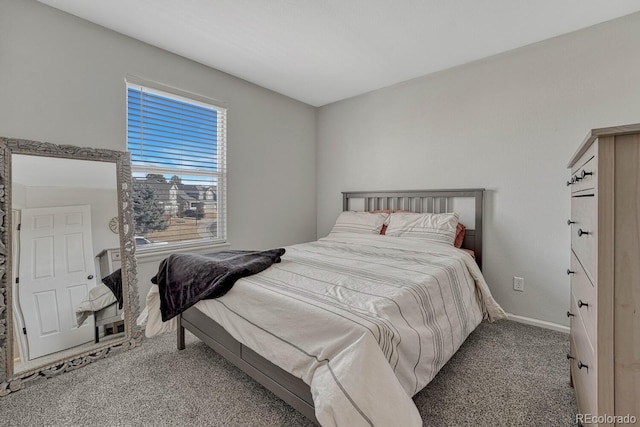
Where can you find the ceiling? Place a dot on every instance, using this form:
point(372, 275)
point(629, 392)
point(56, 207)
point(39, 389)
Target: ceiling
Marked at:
point(323, 51)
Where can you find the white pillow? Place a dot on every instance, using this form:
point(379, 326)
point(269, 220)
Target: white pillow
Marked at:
point(427, 226)
point(359, 222)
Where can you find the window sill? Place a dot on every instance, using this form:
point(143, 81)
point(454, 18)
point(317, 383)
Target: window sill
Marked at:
point(158, 254)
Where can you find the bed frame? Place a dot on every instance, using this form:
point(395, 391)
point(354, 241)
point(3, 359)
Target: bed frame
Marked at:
point(292, 389)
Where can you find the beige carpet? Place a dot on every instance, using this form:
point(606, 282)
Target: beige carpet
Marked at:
point(505, 374)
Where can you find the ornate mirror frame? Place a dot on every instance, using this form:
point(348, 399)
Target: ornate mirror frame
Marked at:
point(9, 380)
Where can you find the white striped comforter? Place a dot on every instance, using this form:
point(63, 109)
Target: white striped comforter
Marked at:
point(366, 320)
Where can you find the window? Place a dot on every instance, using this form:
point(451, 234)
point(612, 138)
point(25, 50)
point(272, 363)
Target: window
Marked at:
point(178, 161)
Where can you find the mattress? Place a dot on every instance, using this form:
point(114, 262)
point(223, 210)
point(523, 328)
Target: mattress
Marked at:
point(365, 320)
point(97, 298)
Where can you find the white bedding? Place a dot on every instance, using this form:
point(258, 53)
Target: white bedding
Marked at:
point(98, 298)
point(366, 320)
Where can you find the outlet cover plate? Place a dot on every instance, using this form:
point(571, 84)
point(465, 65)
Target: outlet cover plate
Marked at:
point(518, 284)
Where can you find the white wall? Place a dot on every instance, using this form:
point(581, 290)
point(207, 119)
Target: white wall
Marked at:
point(508, 124)
point(18, 196)
point(62, 80)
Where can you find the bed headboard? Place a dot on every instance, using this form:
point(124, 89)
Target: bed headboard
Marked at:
point(466, 202)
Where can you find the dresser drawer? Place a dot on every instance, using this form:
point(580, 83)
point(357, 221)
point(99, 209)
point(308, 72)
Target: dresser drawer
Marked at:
point(584, 380)
point(583, 233)
point(583, 173)
point(584, 303)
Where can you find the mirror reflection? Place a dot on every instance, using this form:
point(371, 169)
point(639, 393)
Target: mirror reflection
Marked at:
point(66, 284)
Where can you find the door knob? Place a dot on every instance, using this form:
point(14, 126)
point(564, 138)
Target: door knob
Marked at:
point(90, 277)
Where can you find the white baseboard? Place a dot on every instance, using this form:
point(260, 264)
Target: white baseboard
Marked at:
point(540, 323)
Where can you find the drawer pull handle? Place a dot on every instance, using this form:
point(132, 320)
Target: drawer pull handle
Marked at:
point(585, 173)
point(569, 356)
point(578, 178)
point(570, 314)
point(569, 183)
point(570, 272)
point(582, 365)
point(582, 304)
point(569, 222)
point(581, 232)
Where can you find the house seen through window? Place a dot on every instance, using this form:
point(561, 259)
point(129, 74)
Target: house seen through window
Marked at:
point(177, 148)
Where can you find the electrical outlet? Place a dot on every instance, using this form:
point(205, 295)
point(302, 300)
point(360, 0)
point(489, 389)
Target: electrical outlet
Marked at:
point(518, 284)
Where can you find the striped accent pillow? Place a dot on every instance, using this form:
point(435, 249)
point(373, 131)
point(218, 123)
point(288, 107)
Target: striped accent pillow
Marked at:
point(427, 226)
point(360, 222)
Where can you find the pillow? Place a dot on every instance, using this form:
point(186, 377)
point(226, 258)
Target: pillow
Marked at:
point(360, 222)
point(427, 226)
point(460, 230)
point(387, 211)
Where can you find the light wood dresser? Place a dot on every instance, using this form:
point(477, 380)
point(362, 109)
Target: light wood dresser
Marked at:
point(605, 276)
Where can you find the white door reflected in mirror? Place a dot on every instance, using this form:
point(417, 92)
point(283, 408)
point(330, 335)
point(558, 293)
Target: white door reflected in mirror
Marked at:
point(56, 273)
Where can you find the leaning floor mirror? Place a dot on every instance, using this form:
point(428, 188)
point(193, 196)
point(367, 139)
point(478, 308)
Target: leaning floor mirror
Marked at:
point(68, 289)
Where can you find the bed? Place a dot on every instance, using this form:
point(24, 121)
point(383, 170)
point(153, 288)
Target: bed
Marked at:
point(348, 328)
point(104, 302)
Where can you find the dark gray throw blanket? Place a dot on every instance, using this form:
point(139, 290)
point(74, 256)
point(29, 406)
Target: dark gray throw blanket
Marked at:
point(185, 279)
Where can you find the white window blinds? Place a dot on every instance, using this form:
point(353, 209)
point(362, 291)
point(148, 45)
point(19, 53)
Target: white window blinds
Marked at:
point(177, 148)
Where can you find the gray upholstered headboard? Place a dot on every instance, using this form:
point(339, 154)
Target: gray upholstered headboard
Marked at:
point(435, 201)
